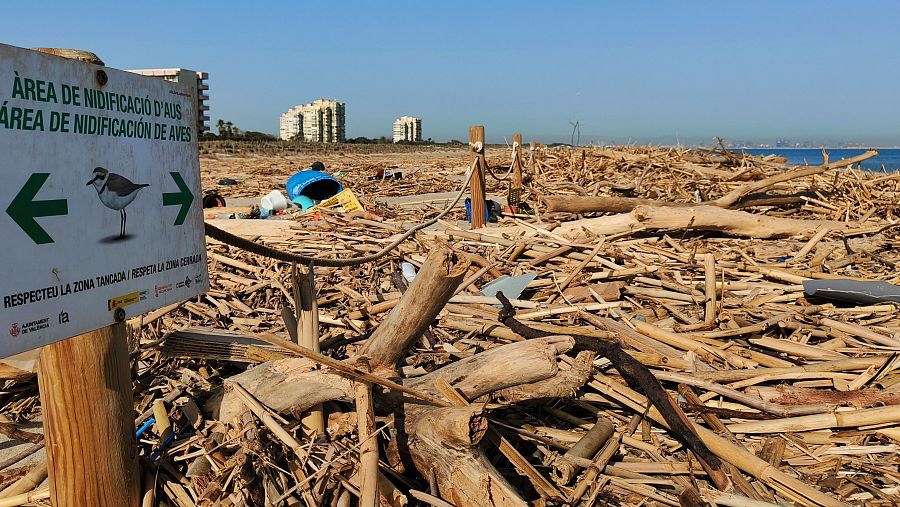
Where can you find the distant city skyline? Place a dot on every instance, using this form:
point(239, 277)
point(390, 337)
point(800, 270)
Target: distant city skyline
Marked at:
point(821, 72)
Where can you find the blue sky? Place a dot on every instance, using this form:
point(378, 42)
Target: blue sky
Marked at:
point(638, 71)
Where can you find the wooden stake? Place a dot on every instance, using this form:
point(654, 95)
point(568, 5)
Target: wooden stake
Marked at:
point(710, 272)
point(517, 161)
point(476, 152)
point(368, 447)
point(304, 281)
point(85, 389)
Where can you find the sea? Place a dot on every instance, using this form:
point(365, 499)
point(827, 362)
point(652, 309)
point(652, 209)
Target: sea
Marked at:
point(888, 159)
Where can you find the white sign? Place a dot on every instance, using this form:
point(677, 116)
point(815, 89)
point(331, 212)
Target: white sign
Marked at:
point(100, 207)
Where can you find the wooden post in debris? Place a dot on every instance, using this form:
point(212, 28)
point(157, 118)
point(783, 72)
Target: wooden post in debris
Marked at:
point(517, 161)
point(710, 278)
point(476, 157)
point(532, 146)
point(85, 387)
point(304, 281)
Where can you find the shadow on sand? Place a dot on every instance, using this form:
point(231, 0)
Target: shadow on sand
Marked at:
point(116, 238)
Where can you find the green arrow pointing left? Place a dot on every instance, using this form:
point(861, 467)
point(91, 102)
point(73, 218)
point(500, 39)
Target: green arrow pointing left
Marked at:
point(184, 197)
point(24, 209)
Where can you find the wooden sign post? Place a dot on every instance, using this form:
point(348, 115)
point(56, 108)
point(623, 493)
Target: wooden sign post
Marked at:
point(86, 403)
point(476, 157)
point(101, 163)
point(85, 386)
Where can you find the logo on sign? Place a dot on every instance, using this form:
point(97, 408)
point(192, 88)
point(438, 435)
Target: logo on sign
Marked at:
point(35, 325)
point(162, 289)
point(14, 330)
point(126, 300)
point(63, 317)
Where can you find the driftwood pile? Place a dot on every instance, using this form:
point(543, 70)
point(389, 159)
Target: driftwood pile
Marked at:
point(291, 385)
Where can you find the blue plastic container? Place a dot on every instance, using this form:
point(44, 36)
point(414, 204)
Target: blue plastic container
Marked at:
point(315, 185)
point(304, 202)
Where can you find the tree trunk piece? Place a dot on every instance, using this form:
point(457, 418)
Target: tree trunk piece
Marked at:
point(444, 441)
point(433, 286)
point(703, 218)
point(600, 204)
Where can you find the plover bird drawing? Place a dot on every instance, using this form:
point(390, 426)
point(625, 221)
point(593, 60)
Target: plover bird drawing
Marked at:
point(115, 192)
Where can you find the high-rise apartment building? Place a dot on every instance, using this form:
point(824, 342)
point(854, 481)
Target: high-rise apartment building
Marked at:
point(321, 121)
point(182, 76)
point(407, 128)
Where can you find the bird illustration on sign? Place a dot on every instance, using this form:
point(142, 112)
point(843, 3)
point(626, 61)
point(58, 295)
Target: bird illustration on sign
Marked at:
point(116, 192)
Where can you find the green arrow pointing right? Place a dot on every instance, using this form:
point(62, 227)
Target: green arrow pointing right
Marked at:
point(24, 209)
point(183, 197)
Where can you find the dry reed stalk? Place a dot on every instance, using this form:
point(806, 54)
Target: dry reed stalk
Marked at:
point(28, 482)
point(683, 342)
point(838, 419)
point(710, 277)
point(368, 451)
point(303, 282)
point(26, 498)
point(862, 332)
